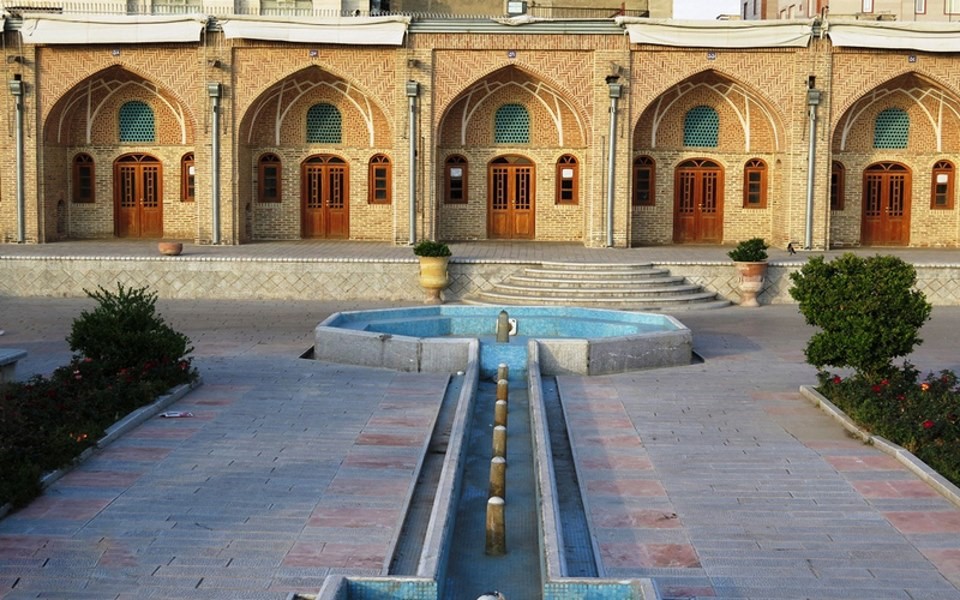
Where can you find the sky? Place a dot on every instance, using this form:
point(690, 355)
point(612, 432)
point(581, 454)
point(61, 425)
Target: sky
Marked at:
point(704, 9)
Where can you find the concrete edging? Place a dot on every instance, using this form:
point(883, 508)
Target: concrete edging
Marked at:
point(929, 476)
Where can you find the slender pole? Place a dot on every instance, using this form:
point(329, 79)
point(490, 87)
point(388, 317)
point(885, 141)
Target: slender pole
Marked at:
point(215, 159)
point(813, 99)
point(615, 91)
point(16, 88)
point(413, 88)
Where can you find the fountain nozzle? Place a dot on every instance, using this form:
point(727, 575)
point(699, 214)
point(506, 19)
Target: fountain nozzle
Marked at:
point(503, 327)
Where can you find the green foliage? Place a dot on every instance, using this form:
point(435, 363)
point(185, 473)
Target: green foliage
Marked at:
point(125, 331)
point(431, 248)
point(867, 310)
point(126, 358)
point(752, 250)
point(922, 416)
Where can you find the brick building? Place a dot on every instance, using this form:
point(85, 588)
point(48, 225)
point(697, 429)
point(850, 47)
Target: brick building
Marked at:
point(617, 131)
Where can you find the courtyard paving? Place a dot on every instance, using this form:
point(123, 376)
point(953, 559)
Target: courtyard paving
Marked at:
point(716, 479)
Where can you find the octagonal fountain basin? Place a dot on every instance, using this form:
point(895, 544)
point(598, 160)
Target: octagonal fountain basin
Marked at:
point(571, 340)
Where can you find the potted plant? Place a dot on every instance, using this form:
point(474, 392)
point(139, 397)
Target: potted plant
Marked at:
point(750, 259)
point(434, 257)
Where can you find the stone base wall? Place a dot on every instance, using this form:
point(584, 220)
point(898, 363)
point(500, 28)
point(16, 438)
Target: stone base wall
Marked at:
point(289, 279)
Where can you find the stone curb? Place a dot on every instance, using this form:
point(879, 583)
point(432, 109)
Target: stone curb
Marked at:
point(935, 480)
point(115, 431)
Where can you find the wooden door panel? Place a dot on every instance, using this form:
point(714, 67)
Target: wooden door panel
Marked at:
point(886, 206)
point(138, 197)
point(335, 205)
point(698, 204)
point(511, 208)
point(311, 218)
point(710, 230)
point(127, 217)
point(151, 205)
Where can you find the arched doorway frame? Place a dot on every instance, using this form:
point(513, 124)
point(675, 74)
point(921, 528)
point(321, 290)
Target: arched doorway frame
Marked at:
point(698, 202)
point(885, 212)
point(511, 198)
point(138, 196)
point(324, 197)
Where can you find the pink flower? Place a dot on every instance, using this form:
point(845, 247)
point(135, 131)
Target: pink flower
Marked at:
point(901, 397)
point(928, 424)
point(885, 382)
point(924, 386)
point(877, 389)
point(836, 379)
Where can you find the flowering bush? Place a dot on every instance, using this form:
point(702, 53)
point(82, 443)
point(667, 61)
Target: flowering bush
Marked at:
point(46, 422)
point(923, 416)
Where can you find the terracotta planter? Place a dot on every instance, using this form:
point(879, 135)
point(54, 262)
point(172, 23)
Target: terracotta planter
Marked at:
point(751, 279)
point(170, 248)
point(433, 277)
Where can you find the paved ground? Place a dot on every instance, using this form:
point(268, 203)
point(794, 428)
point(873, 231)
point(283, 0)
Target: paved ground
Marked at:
point(716, 479)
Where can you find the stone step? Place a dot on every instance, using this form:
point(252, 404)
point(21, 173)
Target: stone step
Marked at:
point(545, 292)
point(679, 302)
point(556, 273)
point(597, 282)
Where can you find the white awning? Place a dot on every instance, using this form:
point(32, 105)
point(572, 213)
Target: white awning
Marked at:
point(717, 34)
point(111, 29)
point(363, 31)
point(926, 37)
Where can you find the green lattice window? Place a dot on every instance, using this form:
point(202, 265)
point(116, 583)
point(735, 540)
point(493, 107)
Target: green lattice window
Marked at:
point(136, 122)
point(891, 129)
point(701, 127)
point(511, 125)
point(324, 124)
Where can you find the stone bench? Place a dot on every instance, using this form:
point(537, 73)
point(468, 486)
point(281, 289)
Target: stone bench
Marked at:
point(8, 362)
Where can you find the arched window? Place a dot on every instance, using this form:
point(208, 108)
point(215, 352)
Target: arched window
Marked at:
point(942, 185)
point(755, 184)
point(380, 184)
point(324, 124)
point(644, 179)
point(568, 177)
point(511, 125)
point(270, 178)
point(838, 175)
point(891, 129)
point(136, 122)
point(701, 127)
point(84, 181)
point(187, 178)
point(456, 180)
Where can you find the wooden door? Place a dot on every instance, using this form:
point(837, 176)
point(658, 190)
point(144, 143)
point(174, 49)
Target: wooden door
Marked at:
point(324, 198)
point(886, 205)
point(698, 203)
point(138, 198)
point(510, 211)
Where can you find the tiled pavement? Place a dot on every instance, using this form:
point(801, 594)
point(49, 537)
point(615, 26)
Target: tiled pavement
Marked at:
point(720, 482)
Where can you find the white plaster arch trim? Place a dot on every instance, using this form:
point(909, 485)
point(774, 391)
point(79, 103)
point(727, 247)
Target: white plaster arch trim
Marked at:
point(297, 90)
point(728, 92)
point(113, 86)
point(918, 95)
point(474, 97)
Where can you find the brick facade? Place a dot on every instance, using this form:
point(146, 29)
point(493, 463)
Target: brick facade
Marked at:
point(73, 95)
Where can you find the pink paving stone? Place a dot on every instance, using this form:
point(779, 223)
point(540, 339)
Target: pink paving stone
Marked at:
point(626, 555)
point(844, 444)
point(21, 546)
point(941, 521)
point(160, 433)
point(76, 509)
point(603, 422)
point(864, 463)
point(619, 462)
point(894, 489)
point(335, 555)
point(352, 516)
point(686, 591)
point(608, 441)
point(637, 519)
point(101, 478)
point(379, 460)
point(405, 420)
point(369, 487)
point(626, 487)
point(388, 439)
point(947, 561)
point(135, 453)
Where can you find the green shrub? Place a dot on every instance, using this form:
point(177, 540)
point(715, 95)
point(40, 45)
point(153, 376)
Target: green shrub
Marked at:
point(431, 248)
point(752, 250)
point(125, 331)
point(126, 357)
point(867, 310)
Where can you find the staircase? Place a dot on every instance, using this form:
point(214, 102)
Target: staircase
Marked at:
point(632, 286)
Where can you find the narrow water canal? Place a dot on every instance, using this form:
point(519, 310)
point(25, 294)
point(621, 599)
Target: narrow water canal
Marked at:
point(470, 572)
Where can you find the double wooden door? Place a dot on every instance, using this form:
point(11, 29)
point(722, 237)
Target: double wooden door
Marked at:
point(698, 203)
point(510, 207)
point(886, 205)
point(324, 198)
point(138, 196)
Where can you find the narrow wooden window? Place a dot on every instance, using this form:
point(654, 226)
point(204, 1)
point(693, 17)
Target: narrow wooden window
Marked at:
point(379, 185)
point(187, 178)
point(942, 186)
point(84, 181)
point(271, 175)
point(456, 180)
point(644, 177)
point(838, 175)
point(568, 188)
point(755, 184)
